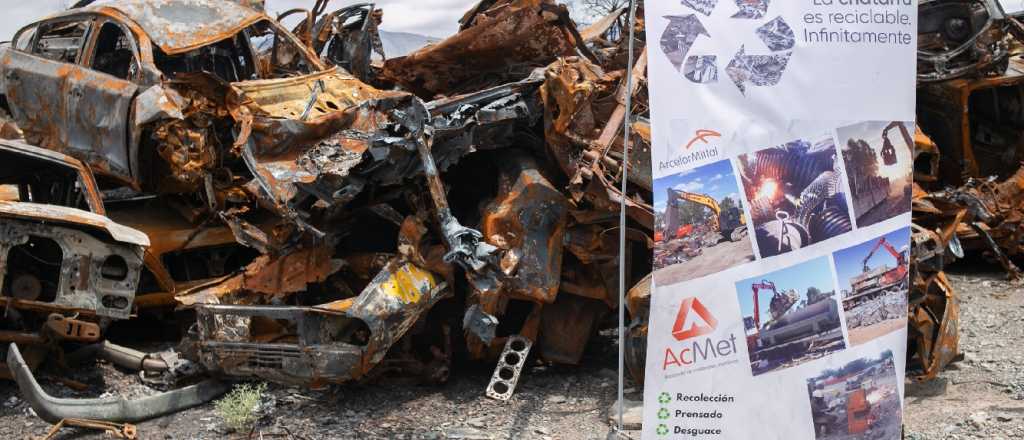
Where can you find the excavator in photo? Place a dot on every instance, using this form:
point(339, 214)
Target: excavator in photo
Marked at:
point(900, 257)
point(729, 222)
point(881, 280)
point(889, 157)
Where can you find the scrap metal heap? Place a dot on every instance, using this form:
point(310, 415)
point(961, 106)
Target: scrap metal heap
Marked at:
point(327, 213)
point(967, 163)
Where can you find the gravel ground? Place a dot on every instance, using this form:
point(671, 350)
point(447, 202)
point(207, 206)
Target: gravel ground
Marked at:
point(979, 398)
point(550, 403)
point(983, 396)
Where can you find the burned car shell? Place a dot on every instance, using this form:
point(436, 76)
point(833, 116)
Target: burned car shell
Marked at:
point(72, 106)
point(311, 346)
point(99, 260)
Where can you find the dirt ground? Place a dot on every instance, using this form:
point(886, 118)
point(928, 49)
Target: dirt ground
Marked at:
point(712, 259)
point(979, 398)
point(983, 396)
point(867, 333)
point(550, 403)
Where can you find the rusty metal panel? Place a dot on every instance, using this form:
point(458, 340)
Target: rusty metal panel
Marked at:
point(566, 326)
point(517, 35)
point(81, 282)
point(527, 223)
point(315, 95)
point(276, 276)
point(180, 25)
point(71, 109)
point(70, 216)
point(934, 328)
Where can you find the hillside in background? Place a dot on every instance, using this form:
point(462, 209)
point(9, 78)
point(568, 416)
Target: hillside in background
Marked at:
point(397, 44)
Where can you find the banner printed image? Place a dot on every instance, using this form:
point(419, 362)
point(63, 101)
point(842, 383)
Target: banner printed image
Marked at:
point(791, 316)
point(877, 156)
point(858, 401)
point(762, 67)
point(873, 282)
point(796, 195)
point(700, 227)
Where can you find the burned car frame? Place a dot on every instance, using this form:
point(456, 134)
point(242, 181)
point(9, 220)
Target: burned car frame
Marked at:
point(66, 270)
point(330, 219)
point(962, 37)
point(328, 224)
point(114, 69)
point(249, 171)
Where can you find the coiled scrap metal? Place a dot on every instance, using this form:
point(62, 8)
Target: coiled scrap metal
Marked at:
point(820, 207)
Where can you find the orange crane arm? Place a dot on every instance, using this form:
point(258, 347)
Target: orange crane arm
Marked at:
point(701, 199)
point(763, 285)
point(888, 247)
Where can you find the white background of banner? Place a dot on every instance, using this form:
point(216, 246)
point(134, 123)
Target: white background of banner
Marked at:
point(824, 83)
point(824, 86)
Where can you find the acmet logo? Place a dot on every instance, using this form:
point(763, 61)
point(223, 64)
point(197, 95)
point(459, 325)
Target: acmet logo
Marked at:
point(690, 311)
point(693, 321)
point(702, 135)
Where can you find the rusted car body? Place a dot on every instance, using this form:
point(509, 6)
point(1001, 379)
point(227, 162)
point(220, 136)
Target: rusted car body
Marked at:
point(972, 112)
point(975, 121)
point(967, 163)
point(934, 315)
point(331, 218)
point(66, 269)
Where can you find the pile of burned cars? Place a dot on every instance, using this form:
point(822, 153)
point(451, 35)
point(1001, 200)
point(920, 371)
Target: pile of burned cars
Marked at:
point(319, 213)
point(314, 211)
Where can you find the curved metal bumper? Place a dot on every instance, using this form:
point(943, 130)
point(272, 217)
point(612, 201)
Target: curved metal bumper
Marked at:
point(110, 409)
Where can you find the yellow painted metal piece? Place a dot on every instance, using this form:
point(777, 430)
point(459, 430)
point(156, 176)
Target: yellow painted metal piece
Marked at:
point(409, 283)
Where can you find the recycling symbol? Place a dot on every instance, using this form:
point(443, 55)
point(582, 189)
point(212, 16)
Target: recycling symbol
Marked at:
point(663, 413)
point(664, 398)
point(662, 429)
point(759, 69)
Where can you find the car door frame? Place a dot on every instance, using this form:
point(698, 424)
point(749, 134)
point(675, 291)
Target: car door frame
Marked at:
point(73, 108)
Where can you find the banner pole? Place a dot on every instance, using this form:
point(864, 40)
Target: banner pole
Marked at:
point(622, 209)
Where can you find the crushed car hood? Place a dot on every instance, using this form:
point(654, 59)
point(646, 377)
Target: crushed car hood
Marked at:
point(325, 135)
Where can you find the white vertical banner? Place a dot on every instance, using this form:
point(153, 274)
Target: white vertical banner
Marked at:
point(782, 149)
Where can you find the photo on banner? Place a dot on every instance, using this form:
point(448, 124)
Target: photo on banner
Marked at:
point(858, 400)
point(874, 278)
point(700, 226)
point(791, 316)
point(876, 155)
point(796, 193)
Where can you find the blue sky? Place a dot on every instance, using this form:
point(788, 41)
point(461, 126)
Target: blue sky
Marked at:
point(815, 273)
point(716, 180)
point(849, 261)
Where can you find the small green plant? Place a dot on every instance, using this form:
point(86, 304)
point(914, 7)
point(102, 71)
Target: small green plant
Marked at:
point(238, 408)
